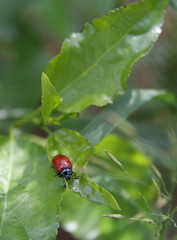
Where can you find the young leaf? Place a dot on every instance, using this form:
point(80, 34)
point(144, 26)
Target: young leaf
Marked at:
point(142, 220)
point(93, 192)
point(159, 177)
point(117, 216)
point(156, 172)
point(117, 162)
point(93, 66)
point(50, 97)
point(71, 144)
point(157, 187)
point(30, 194)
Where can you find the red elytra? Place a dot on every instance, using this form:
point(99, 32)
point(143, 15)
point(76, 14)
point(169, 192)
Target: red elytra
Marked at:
point(61, 162)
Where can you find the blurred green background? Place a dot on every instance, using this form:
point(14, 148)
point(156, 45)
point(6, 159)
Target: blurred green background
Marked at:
point(31, 33)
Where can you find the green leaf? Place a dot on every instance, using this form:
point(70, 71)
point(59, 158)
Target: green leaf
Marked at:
point(127, 176)
point(135, 188)
point(156, 172)
point(50, 98)
point(29, 193)
point(78, 149)
point(117, 216)
point(93, 66)
point(71, 144)
point(142, 220)
point(159, 177)
point(113, 115)
point(116, 161)
point(92, 192)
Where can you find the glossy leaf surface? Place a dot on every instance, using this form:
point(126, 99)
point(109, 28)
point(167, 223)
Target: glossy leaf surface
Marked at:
point(71, 144)
point(93, 66)
point(77, 149)
point(50, 98)
point(93, 192)
point(30, 193)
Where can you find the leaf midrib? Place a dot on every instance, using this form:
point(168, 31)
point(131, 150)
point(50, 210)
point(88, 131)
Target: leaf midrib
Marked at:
point(102, 56)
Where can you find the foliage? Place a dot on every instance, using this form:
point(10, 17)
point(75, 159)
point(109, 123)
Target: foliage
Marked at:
point(106, 50)
point(116, 160)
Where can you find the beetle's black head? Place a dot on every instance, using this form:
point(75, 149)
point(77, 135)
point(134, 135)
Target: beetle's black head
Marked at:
point(66, 173)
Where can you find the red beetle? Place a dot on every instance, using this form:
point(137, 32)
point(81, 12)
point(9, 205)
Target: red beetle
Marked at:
point(63, 166)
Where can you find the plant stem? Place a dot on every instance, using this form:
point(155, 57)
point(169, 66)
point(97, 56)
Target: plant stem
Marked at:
point(165, 226)
point(28, 118)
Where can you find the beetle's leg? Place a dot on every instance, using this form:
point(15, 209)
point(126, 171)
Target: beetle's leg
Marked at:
point(75, 177)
